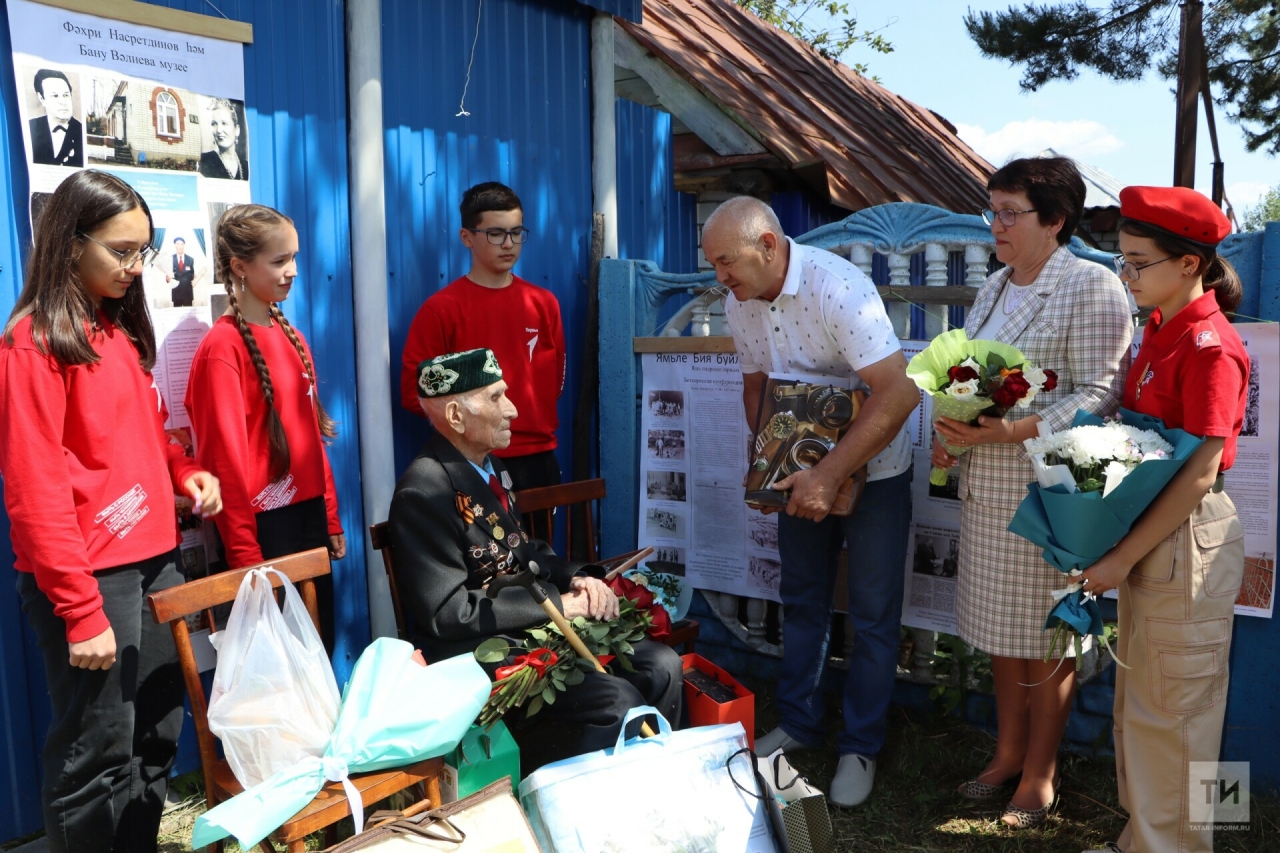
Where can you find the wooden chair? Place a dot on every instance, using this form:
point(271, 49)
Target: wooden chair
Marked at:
point(330, 805)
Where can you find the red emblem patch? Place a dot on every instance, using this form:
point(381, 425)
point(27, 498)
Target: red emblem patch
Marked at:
point(1206, 338)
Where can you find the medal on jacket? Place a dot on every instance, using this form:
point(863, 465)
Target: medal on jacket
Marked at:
point(498, 532)
point(466, 508)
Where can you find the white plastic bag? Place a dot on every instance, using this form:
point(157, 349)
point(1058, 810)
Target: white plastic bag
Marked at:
point(679, 796)
point(274, 699)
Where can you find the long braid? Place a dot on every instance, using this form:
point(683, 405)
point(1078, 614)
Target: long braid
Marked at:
point(238, 233)
point(328, 427)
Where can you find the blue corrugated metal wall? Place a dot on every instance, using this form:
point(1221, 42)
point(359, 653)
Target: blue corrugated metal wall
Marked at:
point(529, 127)
point(296, 97)
point(655, 222)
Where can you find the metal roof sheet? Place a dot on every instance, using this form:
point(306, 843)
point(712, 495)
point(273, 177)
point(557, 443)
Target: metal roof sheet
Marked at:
point(808, 111)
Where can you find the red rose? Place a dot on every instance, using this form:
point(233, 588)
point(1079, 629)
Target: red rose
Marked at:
point(1050, 380)
point(1013, 389)
point(643, 597)
point(960, 373)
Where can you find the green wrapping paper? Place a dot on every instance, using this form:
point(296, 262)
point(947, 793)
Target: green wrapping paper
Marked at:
point(928, 369)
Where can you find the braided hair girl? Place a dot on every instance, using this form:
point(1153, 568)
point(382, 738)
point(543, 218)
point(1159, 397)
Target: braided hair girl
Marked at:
point(255, 406)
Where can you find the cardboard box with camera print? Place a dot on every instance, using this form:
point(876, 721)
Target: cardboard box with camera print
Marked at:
point(799, 421)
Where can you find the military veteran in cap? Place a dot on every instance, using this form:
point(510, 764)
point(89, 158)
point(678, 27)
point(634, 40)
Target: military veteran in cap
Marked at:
point(455, 527)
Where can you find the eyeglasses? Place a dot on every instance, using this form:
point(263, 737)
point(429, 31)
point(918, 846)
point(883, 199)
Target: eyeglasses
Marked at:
point(1130, 272)
point(129, 257)
point(498, 236)
point(1008, 216)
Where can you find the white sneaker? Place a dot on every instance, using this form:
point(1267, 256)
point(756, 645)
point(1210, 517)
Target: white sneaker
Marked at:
point(775, 740)
point(783, 779)
point(854, 778)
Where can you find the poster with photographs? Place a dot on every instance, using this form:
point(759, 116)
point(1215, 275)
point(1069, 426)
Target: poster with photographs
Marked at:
point(164, 112)
point(1253, 480)
point(694, 453)
point(933, 556)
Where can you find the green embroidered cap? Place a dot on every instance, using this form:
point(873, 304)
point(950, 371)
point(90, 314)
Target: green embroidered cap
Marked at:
point(457, 373)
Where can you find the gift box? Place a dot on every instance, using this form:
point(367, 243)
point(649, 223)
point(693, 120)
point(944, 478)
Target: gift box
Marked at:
point(800, 422)
point(480, 759)
point(713, 696)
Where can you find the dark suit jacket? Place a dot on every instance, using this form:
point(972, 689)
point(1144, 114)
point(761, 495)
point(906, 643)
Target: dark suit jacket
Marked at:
point(70, 154)
point(185, 272)
point(443, 562)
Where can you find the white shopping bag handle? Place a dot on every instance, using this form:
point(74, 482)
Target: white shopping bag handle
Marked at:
point(664, 728)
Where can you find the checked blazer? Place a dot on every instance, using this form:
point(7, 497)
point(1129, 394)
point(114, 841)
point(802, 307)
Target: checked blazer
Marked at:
point(1076, 322)
point(451, 537)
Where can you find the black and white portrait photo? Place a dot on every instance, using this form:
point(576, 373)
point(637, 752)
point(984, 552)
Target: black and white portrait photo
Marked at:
point(57, 136)
point(224, 152)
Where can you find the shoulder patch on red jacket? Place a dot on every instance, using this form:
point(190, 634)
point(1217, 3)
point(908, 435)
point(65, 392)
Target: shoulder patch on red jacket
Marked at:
point(1205, 335)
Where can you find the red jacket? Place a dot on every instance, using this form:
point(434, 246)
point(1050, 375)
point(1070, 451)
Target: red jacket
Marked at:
point(229, 418)
point(89, 473)
point(521, 324)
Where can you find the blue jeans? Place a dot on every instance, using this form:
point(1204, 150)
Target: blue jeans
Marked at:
point(877, 537)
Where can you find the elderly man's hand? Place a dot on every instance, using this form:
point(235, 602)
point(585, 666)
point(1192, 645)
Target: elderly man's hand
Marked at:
point(591, 598)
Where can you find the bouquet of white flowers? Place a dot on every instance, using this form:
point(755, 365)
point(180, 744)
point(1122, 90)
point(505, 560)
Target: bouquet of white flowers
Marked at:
point(1088, 458)
point(1092, 482)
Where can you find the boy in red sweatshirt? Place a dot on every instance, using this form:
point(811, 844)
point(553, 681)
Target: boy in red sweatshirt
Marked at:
point(490, 307)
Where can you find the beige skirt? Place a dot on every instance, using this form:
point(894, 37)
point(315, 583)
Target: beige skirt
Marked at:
point(1005, 587)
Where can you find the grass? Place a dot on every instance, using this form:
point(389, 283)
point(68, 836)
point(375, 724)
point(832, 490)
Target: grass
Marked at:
point(926, 756)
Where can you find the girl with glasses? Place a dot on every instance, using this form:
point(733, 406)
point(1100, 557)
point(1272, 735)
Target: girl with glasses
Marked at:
point(255, 407)
point(90, 478)
point(1180, 568)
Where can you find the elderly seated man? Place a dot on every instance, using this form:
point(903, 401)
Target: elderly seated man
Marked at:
point(455, 527)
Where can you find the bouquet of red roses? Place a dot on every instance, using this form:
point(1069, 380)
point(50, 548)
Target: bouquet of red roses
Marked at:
point(545, 665)
point(968, 378)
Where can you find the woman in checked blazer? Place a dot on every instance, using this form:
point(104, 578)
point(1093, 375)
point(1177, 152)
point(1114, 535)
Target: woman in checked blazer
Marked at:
point(1066, 315)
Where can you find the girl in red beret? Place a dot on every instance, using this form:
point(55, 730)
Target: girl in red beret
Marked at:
point(255, 408)
point(89, 485)
point(1179, 569)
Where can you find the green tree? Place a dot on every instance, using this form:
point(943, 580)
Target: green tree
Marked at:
point(1123, 39)
point(1266, 210)
point(830, 41)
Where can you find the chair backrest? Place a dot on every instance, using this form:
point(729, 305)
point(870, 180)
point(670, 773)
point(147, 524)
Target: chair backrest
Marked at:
point(173, 605)
point(380, 538)
point(541, 503)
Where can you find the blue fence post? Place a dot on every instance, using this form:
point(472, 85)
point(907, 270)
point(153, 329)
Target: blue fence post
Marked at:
point(619, 384)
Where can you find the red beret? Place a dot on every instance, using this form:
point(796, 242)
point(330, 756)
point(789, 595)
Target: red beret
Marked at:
point(1178, 210)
